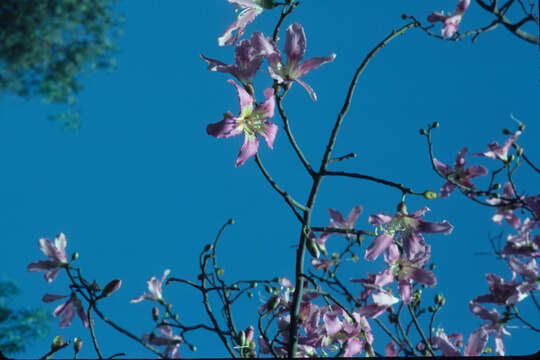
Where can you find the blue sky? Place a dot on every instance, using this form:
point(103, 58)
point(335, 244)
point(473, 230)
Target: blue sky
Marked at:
point(142, 187)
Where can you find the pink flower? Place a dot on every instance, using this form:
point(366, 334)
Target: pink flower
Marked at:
point(382, 300)
point(502, 292)
point(67, 309)
point(154, 286)
point(248, 59)
point(409, 227)
point(251, 121)
point(56, 252)
point(168, 339)
point(451, 23)
point(406, 270)
point(505, 208)
point(337, 221)
point(295, 48)
point(251, 9)
point(497, 151)
point(494, 326)
point(459, 174)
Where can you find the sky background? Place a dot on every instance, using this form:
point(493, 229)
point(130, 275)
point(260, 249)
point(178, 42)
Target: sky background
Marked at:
point(142, 187)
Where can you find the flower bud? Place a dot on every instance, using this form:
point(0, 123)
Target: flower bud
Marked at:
point(355, 258)
point(506, 132)
point(111, 287)
point(75, 256)
point(192, 347)
point(241, 338)
point(422, 132)
point(519, 151)
point(253, 285)
point(77, 345)
point(521, 126)
point(250, 332)
point(496, 186)
point(220, 271)
point(435, 125)
point(438, 299)
point(511, 158)
point(402, 208)
point(430, 195)
point(250, 295)
point(404, 16)
point(313, 248)
point(155, 313)
point(231, 221)
point(208, 247)
point(335, 255)
point(432, 266)
point(268, 289)
point(430, 309)
point(57, 342)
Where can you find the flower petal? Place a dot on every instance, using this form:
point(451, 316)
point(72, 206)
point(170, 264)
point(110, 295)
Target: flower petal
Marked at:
point(295, 43)
point(248, 149)
point(244, 18)
point(269, 134)
point(353, 215)
point(378, 246)
point(314, 63)
point(225, 128)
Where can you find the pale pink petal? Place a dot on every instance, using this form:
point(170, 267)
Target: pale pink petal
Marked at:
point(269, 134)
point(248, 149)
point(378, 246)
point(295, 43)
point(244, 98)
point(314, 63)
point(308, 89)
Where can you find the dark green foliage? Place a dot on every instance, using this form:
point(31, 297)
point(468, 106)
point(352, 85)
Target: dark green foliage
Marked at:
point(46, 44)
point(19, 327)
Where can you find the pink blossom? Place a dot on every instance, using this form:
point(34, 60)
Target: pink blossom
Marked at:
point(56, 252)
point(409, 227)
point(451, 23)
point(459, 174)
point(497, 151)
point(505, 208)
point(494, 326)
point(67, 309)
point(251, 9)
point(154, 286)
point(251, 121)
point(168, 339)
point(295, 48)
point(248, 59)
point(382, 300)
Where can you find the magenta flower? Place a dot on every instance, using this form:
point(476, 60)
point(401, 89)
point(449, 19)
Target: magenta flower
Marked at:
point(494, 326)
point(67, 309)
point(56, 252)
point(505, 208)
point(374, 282)
point(521, 244)
point(252, 120)
point(168, 339)
point(405, 271)
point(382, 300)
point(337, 221)
point(451, 23)
point(295, 48)
point(459, 174)
point(500, 152)
point(154, 286)
point(409, 227)
point(251, 9)
point(502, 292)
point(247, 58)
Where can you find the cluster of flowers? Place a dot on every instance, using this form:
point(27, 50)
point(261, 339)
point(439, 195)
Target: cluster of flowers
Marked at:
point(451, 22)
point(249, 54)
point(520, 250)
point(323, 327)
